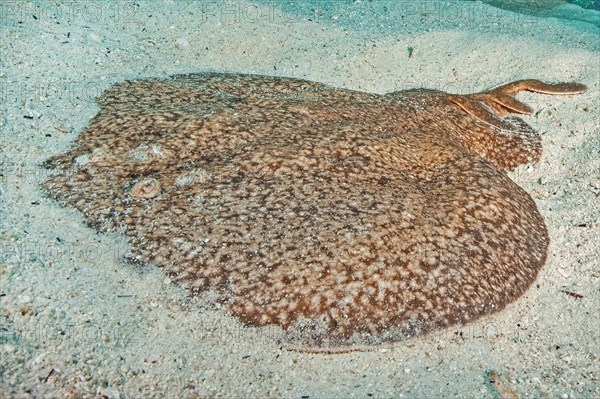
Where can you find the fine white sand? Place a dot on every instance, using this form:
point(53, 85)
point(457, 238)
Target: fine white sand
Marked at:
point(77, 321)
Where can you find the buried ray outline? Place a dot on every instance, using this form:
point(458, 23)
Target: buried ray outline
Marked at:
point(349, 219)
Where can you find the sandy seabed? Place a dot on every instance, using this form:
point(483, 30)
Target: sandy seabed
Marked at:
point(77, 321)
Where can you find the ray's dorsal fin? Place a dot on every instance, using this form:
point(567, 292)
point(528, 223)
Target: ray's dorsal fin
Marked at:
point(509, 141)
point(491, 104)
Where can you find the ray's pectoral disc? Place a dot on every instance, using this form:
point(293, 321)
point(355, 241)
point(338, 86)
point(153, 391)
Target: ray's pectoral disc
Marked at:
point(349, 219)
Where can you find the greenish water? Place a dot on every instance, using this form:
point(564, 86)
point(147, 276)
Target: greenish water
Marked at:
point(540, 7)
point(576, 10)
point(590, 4)
point(395, 15)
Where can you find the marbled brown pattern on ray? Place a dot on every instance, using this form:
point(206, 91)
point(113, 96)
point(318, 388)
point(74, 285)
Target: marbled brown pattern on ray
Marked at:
point(346, 218)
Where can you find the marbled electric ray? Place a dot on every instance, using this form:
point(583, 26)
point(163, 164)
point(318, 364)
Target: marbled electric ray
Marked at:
point(347, 218)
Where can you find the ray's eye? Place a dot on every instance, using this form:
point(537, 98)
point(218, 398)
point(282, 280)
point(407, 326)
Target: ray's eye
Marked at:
point(147, 188)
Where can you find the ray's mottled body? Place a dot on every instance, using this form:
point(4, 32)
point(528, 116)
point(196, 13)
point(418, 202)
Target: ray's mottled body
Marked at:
point(347, 218)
